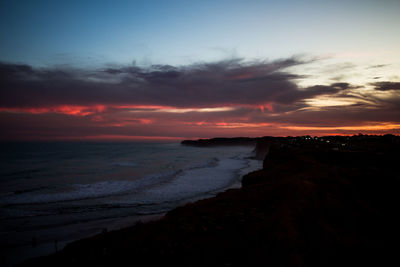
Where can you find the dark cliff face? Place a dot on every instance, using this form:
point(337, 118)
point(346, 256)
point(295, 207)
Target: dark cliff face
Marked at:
point(313, 204)
point(237, 141)
point(262, 148)
point(339, 202)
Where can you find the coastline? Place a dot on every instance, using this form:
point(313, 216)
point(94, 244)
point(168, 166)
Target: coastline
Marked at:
point(49, 246)
point(314, 203)
point(19, 246)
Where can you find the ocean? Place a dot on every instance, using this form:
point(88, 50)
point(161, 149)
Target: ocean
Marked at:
point(52, 193)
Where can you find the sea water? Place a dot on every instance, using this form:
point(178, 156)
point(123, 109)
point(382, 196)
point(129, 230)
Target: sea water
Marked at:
point(54, 193)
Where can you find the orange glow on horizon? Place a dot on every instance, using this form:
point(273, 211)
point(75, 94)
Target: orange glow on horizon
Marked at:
point(222, 124)
point(98, 121)
point(370, 127)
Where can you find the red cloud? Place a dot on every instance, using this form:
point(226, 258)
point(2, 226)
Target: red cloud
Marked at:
point(228, 98)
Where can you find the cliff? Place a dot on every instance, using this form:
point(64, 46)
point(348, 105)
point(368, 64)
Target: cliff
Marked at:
point(261, 144)
point(221, 141)
point(313, 204)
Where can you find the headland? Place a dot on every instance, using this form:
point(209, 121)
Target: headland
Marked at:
point(323, 201)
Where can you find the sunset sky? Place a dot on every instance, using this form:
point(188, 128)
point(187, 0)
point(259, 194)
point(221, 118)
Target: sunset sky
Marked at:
point(171, 70)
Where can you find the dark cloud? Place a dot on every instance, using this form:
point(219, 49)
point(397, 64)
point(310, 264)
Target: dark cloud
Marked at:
point(263, 93)
point(227, 82)
point(377, 66)
point(14, 71)
point(386, 86)
point(341, 85)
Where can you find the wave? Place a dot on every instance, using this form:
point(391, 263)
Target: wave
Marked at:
point(86, 191)
point(101, 189)
point(193, 183)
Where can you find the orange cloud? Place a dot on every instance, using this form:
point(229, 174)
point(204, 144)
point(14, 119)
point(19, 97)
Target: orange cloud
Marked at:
point(366, 127)
point(64, 109)
point(90, 110)
point(222, 99)
point(222, 124)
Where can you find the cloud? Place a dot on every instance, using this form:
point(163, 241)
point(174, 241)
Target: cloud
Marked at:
point(386, 86)
point(230, 82)
point(224, 98)
point(377, 66)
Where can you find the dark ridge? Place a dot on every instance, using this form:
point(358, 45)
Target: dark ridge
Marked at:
point(330, 201)
point(222, 141)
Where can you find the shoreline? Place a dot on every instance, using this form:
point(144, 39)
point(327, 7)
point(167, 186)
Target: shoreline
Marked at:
point(55, 239)
point(43, 248)
point(314, 203)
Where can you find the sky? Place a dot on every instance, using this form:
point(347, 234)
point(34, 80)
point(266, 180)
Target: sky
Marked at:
point(171, 70)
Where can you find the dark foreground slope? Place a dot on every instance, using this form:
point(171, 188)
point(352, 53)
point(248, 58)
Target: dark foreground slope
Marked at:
point(313, 204)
